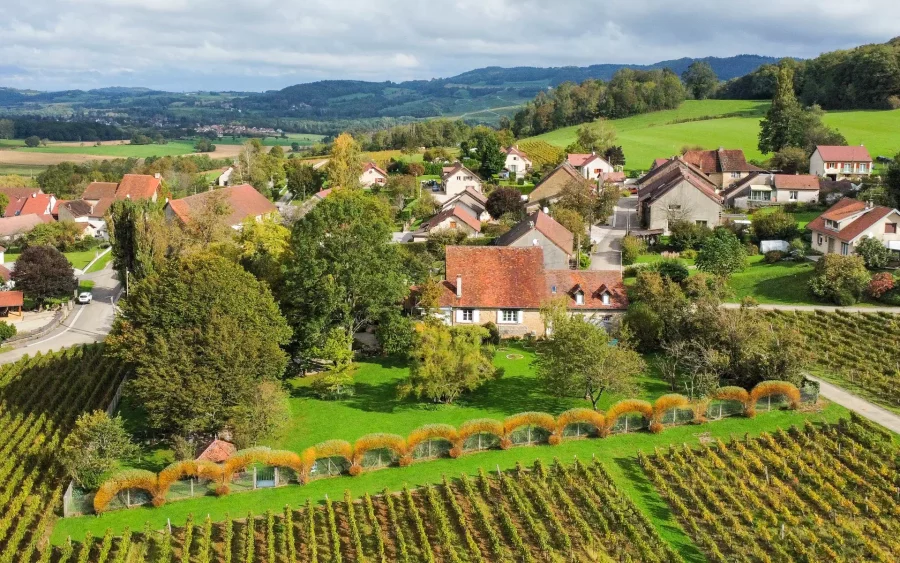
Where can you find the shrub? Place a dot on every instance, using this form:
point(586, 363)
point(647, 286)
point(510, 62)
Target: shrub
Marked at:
point(131, 479)
point(733, 393)
point(773, 256)
point(625, 407)
point(874, 254)
point(633, 270)
point(673, 269)
point(721, 254)
point(632, 247)
point(578, 415)
point(881, 284)
point(686, 235)
point(689, 254)
point(378, 441)
point(7, 331)
point(751, 249)
point(770, 389)
point(776, 225)
point(839, 279)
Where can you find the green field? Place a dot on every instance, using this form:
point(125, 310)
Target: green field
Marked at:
point(305, 139)
point(658, 135)
point(26, 170)
point(173, 148)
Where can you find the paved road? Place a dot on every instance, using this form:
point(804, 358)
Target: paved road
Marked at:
point(860, 406)
point(607, 238)
point(826, 308)
point(87, 323)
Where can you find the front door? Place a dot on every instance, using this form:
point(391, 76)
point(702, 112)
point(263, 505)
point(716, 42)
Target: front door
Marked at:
point(830, 245)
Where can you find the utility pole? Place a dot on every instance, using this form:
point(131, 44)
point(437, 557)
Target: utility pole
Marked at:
point(126, 281)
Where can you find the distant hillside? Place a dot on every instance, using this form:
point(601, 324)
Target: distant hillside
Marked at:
point(481, 95)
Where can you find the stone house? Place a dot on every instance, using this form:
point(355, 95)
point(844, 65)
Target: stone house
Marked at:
point(677, 191)
point(724, 167)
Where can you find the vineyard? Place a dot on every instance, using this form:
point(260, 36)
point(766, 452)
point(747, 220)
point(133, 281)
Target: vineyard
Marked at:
point(542, 153)
point(859, 349)
point(557, 513)
point(816, 494)
point(40, 398)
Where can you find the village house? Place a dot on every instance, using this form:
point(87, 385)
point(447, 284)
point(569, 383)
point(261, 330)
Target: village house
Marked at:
point(541, 230)
point(838, 163)
point(677, 191)
point(591, 166)
point(547, 190)
point(243, 200)
point(12, 228)
point(453, 218)
point(724, 167)
point(372, 175)
point(847, 222)
point(474, 202)
point(18, 197)
point(92, 217)
point(517, 163)
point(508, 285)
point(455, 180)
point(761, 189)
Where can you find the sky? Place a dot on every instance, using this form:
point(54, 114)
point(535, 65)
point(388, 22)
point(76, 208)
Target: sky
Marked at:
point(255, 45)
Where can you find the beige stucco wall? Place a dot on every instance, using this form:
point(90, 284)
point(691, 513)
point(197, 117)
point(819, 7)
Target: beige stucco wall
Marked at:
point(555, 258)
point(695, 206)
point(876, 231)
point(590, 170)
point(370, 177)
point(521, 165)
point(819, 167)
point(457, 184)
point(531, 321)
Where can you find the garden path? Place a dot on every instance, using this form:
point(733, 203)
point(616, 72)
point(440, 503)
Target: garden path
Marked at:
point(860, 406)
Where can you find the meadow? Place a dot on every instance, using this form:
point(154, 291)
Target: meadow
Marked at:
point(730, 124)
point(172, 148)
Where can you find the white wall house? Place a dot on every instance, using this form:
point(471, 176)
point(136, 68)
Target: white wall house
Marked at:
point(762, 189)
point(840, 162)
point(372, 175)
point(591, 166)
point(847, 222)
point(456, 180)
point(517, 163)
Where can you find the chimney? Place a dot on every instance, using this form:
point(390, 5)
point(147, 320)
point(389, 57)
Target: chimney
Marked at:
point(530, 224)
point(157, 175)
point(458, 286)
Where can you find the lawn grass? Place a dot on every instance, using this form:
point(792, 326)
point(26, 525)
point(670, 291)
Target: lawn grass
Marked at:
point(78, 259)
point(656, 135)
point(304, 139)
point(784, 282)
point(803, 217)
point(26, 170)
point(173, 148)
point(619, 454)
point(85, 285)
point(100, 263)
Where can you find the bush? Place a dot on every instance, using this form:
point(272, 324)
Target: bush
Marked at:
point(632, 247)
point(880, 285)
point(689, 254)
point(584, 263)
point(840, 279)
point(773, 256)
point(7, 331)
point(751, 249)
point(684, 235)
point(892, 297)
point(493, 337)
point(633, 270)
point(776, 225)
point(874, 254)
point(673, 269)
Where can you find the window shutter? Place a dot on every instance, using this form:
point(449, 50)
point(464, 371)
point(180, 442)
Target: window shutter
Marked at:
point(519, 316)
point(459, 315)
point(475, 316)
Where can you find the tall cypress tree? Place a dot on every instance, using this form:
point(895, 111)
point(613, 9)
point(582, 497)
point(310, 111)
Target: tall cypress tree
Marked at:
point(783, 125)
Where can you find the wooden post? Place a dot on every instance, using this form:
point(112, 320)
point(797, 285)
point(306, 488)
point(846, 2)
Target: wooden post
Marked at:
point(192, 487)
point(254, 477)
point(169, 524)
point(276, 476)
point(766, 467)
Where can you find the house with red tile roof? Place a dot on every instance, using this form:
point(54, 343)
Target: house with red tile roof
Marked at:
point(17, 199)
point(455, 180)
point(541, 230)
point(217, 451)
point(475, 202)
point(724, 167)
point(548, 189)
point(591, 166)
point(761, 189)
point(245, 203)
point(458, 218)
point(11, 228)
point(372, 175)
point(507, 285)
point(838, 163)
point(139, 186)
point(95, 191)
point(677, 191)
point(847, 222)
point(517, 162)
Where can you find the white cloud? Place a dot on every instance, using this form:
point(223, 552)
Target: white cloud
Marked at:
point(259, 44)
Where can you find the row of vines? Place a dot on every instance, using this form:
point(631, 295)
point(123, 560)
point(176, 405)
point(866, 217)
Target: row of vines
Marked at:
point(812, 494)
point(856, 348)
point(547, 513)
point(375, 451)
point(40, 398)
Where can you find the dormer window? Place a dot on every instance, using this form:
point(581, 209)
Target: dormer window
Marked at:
point(605, 297)
point(833, 225)
point(579, 297)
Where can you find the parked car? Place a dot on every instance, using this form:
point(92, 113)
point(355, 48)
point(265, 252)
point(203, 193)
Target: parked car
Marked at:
point(85, 297)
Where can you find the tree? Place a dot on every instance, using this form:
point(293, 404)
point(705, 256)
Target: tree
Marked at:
point(701, 80)
point(892, 180)
point(345, 165)
point(790, 160)
point(425, 206)
point(200, 335)
point(580, 197)
point(596, 137)
point(277, 152)
point(572, 221)
point(721, 254)
point(7, 331)
point(61, 235)
point(401, 188)
point(448, 361)
point(673, 269)
point(344, 272)
point(608, 195)
point(32, 141)
point(687, 235)
point(505, 200)
point(204, 145)
point(267, 414)
point(4, 201)
point(7, 129)
point(264, 249)
point(302, 179)
point(94, 447)
point(840, 279)
point(776, 225)
point(139, 236)
point(577, 360)
point(783, 124)
point(208, 221)
point(875, 254)
point(615, 155)
point(415, 169)
point(487, 151)
point(42, 273)
point(295, 147)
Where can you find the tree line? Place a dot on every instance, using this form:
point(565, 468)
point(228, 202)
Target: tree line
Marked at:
point(630, 92)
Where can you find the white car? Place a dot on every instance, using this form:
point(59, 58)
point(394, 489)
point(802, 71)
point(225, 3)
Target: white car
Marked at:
point(85, 298)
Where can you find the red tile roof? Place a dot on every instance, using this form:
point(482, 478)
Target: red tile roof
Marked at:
point(614, 177)
point(458, 167)
point(546, 225)
point(666, 178)
point(579, 160)
point(718, 161)
point(244, 200)
point(495, 276)
point(324, 193)
point(515, 151)
point(797, 182)
point(19, 225)
point(659, 162)
point(19, 193)
point(100, 208)
point(100, 190)
point(39, 204)
point(593, 283)
point(844, 212)
point(217, 452)
point(137, 186)
point(458, 211)
point(372, 166)
point(5, 274)
point(11, 299)
point(844, 154)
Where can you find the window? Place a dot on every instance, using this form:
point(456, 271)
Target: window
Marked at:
point(793, 196)
point(605, 298)
point(509, 316)
point(735, 174)
point(890, 228)
point(674, 207)
point(863, 168)
point(845, 248)
point(834, 225)
point(702, 223)
point(820, 240)
point(760, 195)
point(468, 315)
point(831, 165)
point(847, 168)
point(452, 224)
point(579, 298)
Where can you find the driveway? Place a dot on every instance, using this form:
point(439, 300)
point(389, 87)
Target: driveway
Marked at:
point(86, 324)
point(860, 406)
point(607, 238)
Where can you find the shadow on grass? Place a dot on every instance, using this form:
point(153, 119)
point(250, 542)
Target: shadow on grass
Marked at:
point(658, 510)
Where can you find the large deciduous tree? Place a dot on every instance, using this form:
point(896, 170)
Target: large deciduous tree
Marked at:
point(840, 279)
point(892, 181)
point(345, 163)
point(504, 201)
point(783, 124)
point(701, 80)
point(344, 271)
point(201, 334)
point(42, 273)
point(94, 447)
point(302, 179)
point(874, 253)
point(487, 150)
point(578, 360)
point(721, 254)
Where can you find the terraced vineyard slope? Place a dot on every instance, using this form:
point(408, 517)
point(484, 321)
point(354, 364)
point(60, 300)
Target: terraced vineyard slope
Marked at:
point(40, 398)
point(816, 494)
point(558, 513)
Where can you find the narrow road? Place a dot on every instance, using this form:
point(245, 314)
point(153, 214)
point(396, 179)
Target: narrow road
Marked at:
point(826, 308)
point(607, 239)
point(86, 324)
point(860, 406)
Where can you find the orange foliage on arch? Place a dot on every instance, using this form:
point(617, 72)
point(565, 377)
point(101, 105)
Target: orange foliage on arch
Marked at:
point(575, 416)
point(132, 479)
point(626, 407)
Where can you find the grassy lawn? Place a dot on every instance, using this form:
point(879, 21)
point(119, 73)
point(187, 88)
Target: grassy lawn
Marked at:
point(100, 263)
point(78, 260)
point(173, 148)
point(803, 217)
point(85, 285)
point(780, 283)
point(657, 135)
point(304, 139)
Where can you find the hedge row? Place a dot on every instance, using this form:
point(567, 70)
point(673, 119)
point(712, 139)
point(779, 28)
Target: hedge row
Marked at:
point(403, 449)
